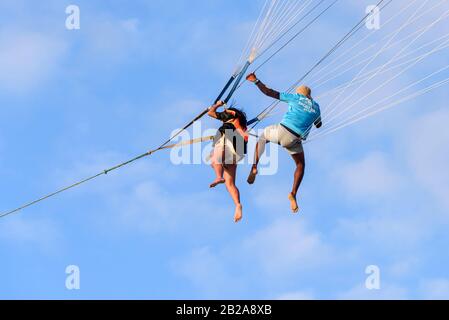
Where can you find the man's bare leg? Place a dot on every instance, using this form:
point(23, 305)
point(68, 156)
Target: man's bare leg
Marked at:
point(260, 148)
point(299, 174)
point(230, 171)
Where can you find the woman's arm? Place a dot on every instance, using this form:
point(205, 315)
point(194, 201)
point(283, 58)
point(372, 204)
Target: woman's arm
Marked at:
point(213, 109)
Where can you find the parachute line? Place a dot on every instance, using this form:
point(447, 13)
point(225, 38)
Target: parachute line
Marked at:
point(380, 51)
point(104, 172)
point(347, 36)
point(332, 114)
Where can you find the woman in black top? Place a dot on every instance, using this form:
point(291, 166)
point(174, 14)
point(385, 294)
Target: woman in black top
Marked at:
point(229, 149)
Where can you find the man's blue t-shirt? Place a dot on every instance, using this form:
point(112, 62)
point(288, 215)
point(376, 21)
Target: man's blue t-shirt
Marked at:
point(302, 113)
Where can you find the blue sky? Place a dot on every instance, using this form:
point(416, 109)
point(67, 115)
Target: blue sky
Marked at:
point(76, 102)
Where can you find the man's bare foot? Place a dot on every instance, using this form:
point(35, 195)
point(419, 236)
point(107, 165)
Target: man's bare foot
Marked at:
point(252, 175)
point(217, 182)
point(293, 203)
point(238, 213)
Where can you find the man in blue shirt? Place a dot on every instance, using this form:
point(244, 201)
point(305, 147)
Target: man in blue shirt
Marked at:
point(303, 112)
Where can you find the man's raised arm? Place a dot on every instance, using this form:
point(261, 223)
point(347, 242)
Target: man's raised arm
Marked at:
point(262, 87)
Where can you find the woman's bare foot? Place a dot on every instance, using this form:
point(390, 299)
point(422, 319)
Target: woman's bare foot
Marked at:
point(293, 203)
point(238, 213)
point(217, 182)
point(252, 175)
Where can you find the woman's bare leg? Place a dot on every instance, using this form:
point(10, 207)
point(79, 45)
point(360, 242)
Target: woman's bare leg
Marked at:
point(217, 167)
point(229, 176)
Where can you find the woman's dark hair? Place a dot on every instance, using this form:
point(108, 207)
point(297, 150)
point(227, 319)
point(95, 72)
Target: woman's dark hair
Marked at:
point(241, 115)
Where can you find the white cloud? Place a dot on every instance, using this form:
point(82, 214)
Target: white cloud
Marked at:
point(427, 141)
point(179, 112)
point(297, 295)
point(369, 177)
point(138, 199)
point(283, 251)
point(396, 232)
point(271, 196)
point(13, 5)
point(28, 59)
point(130, 25)
point(110, 39)
point(386, 292)
point(208, 274)
point(25, 231)
point(435, 289)
point(286, 246)
point(404, 267)
point(151, 208)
